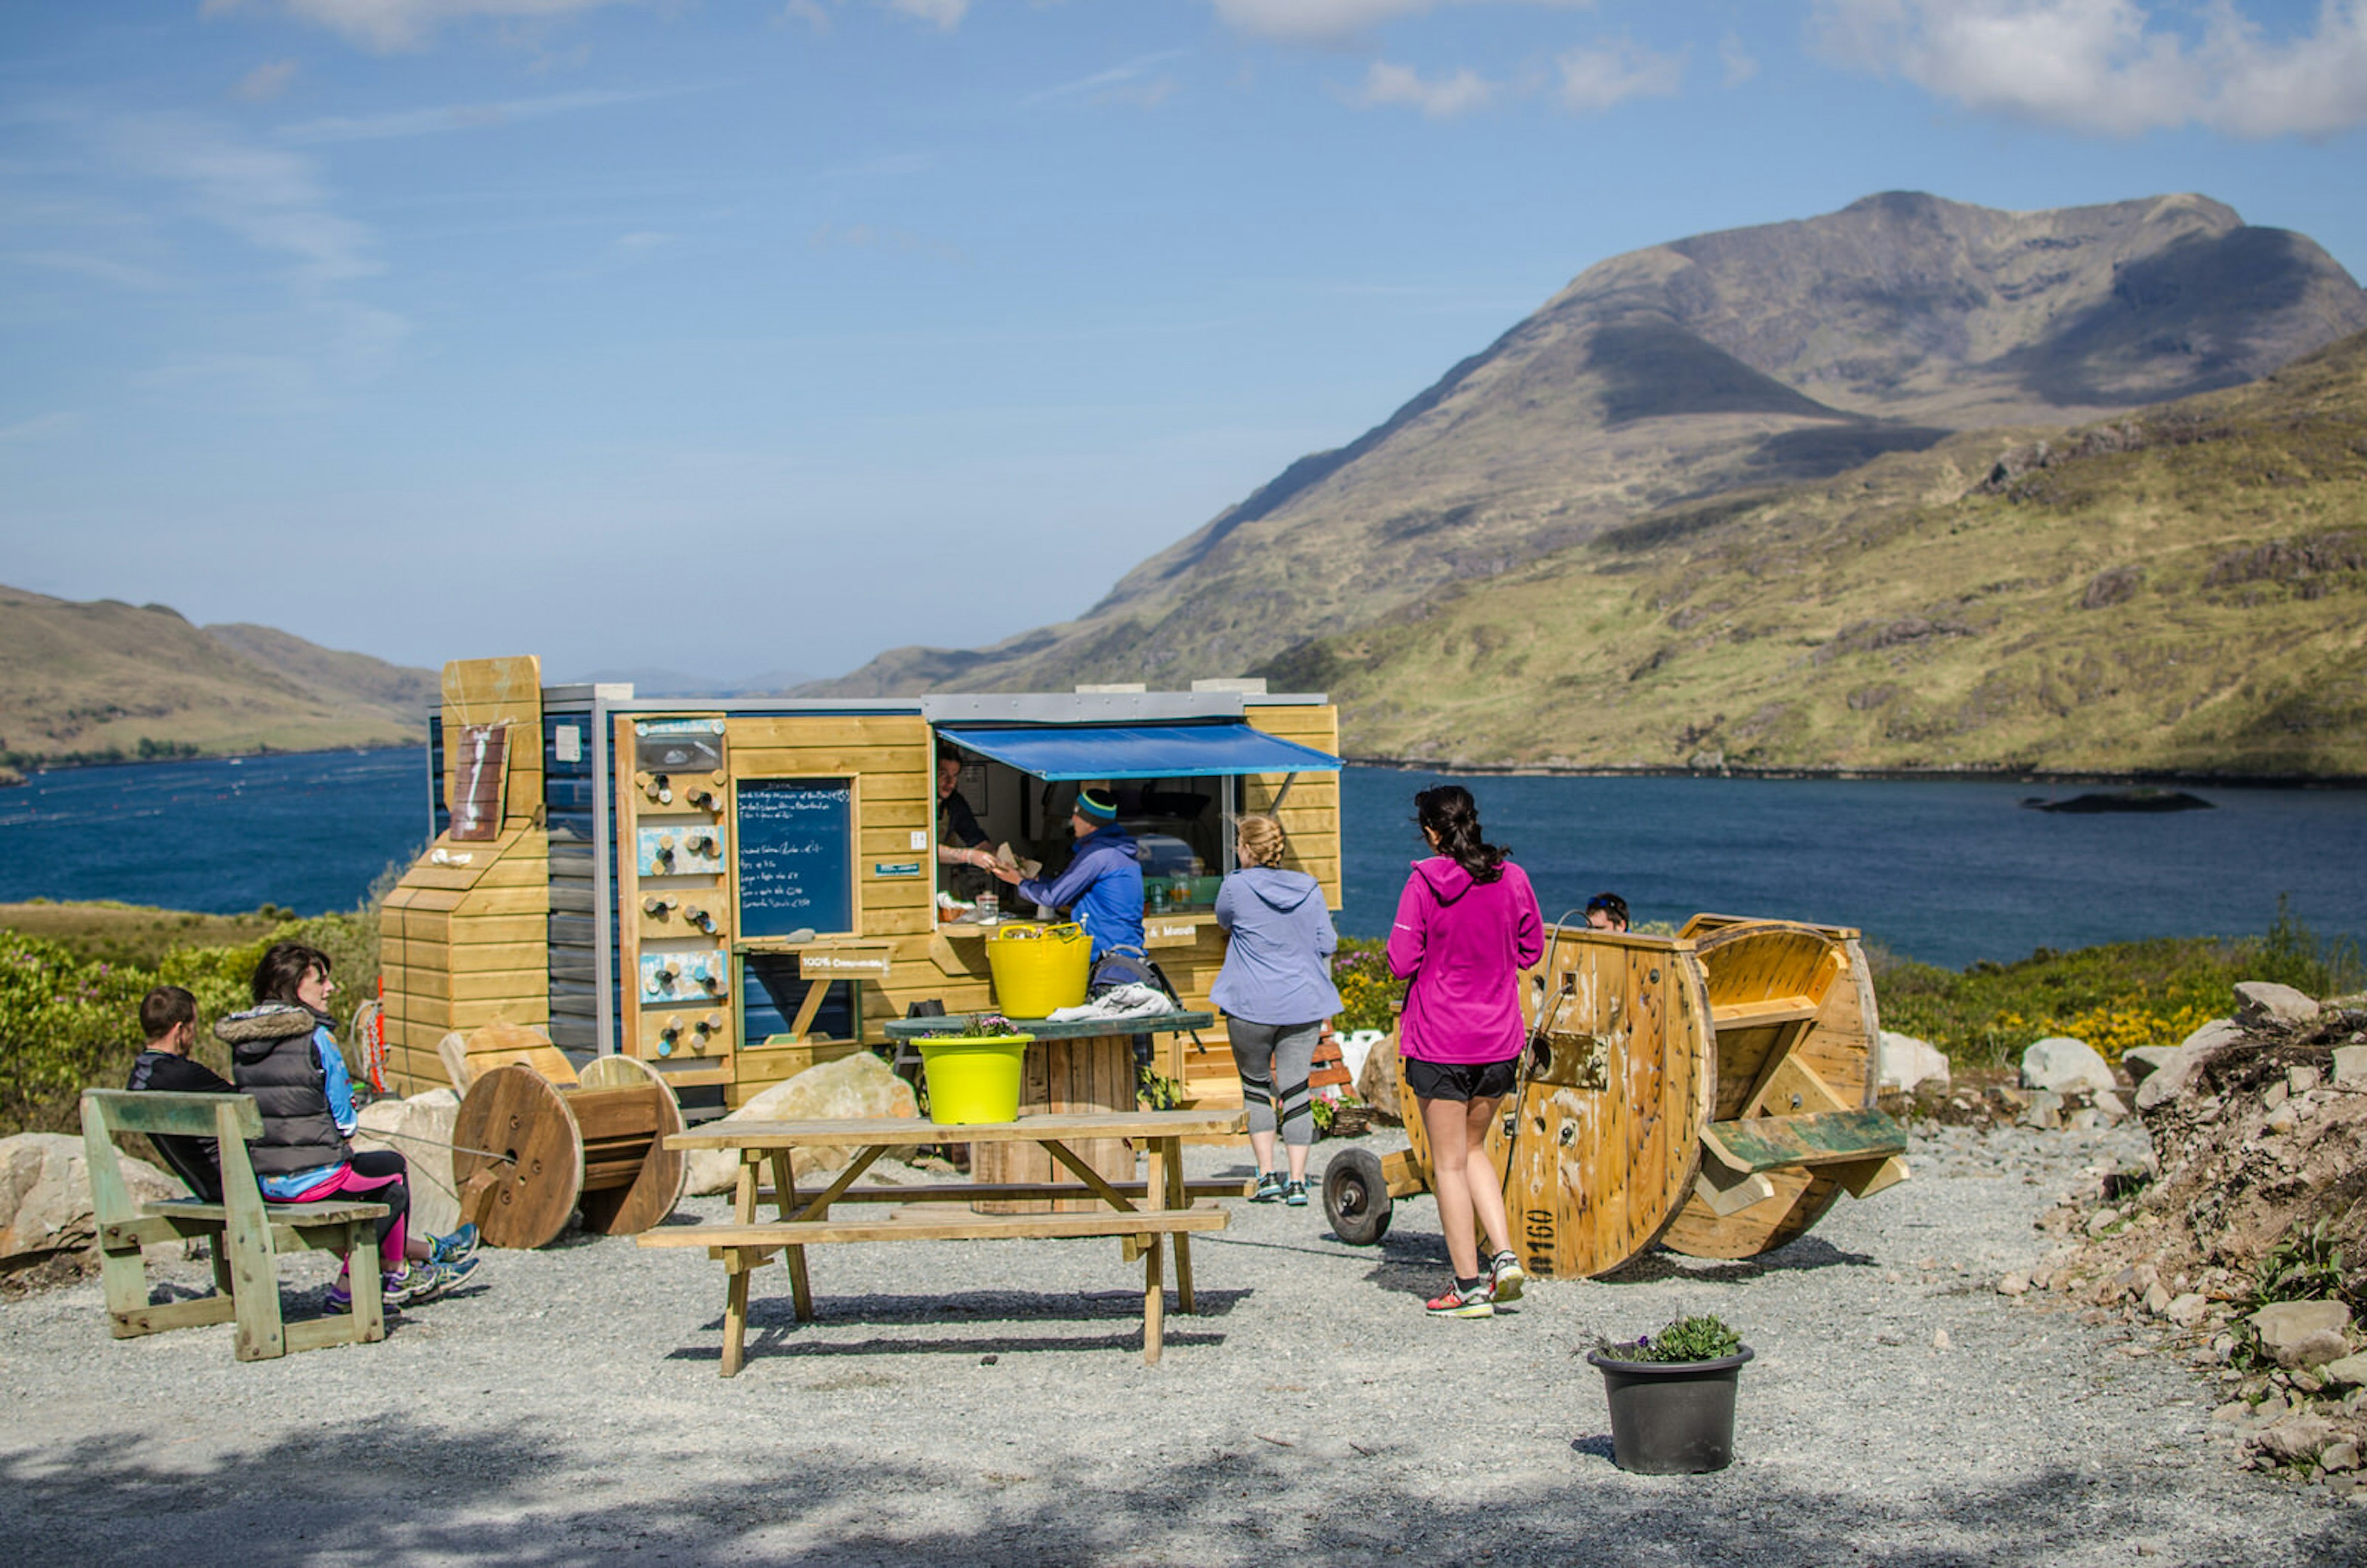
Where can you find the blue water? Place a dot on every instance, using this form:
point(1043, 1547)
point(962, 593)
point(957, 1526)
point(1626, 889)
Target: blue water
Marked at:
point(307, 831)
point(1948, 873)
point(1944, 871)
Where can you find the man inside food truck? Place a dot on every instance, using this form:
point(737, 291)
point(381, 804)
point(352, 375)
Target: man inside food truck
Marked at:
point(1101, 888)
point(960, 840)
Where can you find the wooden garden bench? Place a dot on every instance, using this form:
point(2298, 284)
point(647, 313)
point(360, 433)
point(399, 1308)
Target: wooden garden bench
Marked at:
point(246, 1233)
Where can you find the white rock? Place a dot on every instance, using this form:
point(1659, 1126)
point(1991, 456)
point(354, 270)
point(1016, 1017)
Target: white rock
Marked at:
point(2187, 1310)
point(2141, 1062)
point(2267, 1000)
point(417, 1129)
point(2184, 1069)
point(2349, 1370)
point(2110, 1106)
point(858, 1085)
point(2301, 1080)
point(2335, 1458)
point(2013, 1285)
point(1905, 1063)
point(2156, 1301)
point(2283, 1118)
point(2297, 1437)
point(2061, 1064)
point(1356, 1046)
point(45, 1196)
point(2303, 1334)
point(1939, 1340)
point(2350, 1066)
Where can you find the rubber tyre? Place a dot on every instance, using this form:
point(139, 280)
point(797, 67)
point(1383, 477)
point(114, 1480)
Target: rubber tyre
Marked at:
point(1356, 1197)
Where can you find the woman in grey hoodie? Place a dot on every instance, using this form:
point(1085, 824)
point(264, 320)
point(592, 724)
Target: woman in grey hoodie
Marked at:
point(1275, 991)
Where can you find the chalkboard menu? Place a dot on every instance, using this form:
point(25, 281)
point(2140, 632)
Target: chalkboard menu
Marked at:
point(797, 855)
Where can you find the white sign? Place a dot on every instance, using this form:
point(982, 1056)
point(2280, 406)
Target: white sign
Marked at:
point(567, 744)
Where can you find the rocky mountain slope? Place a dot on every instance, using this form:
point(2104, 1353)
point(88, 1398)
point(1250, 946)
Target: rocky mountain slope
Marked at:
point(1724, 364)
point(105, 681)
point(2182, 590)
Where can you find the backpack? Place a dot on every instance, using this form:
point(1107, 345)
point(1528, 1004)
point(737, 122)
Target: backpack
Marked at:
point(1130, 966)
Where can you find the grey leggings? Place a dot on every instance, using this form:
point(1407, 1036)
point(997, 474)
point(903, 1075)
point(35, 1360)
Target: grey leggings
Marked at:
point(1274, 1060)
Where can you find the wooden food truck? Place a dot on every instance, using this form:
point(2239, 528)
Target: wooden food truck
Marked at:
point(730, 891)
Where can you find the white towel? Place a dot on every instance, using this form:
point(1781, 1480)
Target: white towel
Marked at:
point(1119, 1001)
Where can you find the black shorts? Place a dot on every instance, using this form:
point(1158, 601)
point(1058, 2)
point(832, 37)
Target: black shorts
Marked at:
point(1461, 1080)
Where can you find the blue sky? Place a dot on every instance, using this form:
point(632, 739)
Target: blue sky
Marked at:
point(734, 338)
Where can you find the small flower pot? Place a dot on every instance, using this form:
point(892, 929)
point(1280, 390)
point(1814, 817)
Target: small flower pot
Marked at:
point(1672, 1417)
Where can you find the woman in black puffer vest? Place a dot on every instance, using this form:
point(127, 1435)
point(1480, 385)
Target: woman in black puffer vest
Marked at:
point(283, 1054)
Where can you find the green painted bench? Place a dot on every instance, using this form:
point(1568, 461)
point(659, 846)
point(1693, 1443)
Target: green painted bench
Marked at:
point(245, 1234)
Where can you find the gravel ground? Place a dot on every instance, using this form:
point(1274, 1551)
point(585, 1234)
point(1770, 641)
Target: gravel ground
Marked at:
point(962, 1404)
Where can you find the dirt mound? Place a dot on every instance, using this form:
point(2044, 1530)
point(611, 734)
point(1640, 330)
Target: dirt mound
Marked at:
point(2256, 1193)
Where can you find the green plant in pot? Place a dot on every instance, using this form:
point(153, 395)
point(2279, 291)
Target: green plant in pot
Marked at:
point(1672, 1396)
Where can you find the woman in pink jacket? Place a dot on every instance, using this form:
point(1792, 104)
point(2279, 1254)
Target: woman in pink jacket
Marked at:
point(1467, 924)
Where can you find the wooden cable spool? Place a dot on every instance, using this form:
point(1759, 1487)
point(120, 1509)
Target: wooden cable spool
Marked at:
point(1794, 1010)
point(528, 1152)
point(1712, 1092)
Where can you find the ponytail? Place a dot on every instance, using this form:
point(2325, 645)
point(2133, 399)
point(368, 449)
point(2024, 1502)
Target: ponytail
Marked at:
point(1451, 813)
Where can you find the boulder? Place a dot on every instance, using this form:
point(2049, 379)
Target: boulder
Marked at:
point(1357, 1044)
point(853, 1087)
point(2350, 1066)
point(2348, 1370)
point(2303, 1334)
point(1377, 1084)
point(2185, 1070)
point(2258, 1002)
point(2060, 1063)
point(1904, 1063)
point(419, 1129)
point(2143, 1061)
point(2187, 1310)
point(2297, 1437)
point(2338, 1459)
point(45, 1197)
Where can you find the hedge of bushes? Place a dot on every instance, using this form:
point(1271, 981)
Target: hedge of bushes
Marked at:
point(67, 1022)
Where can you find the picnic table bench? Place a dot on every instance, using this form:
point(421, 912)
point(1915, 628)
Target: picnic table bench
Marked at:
point(1142, 1214)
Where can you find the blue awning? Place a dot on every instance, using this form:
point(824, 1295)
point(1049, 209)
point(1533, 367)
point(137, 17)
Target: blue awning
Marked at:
point(1082, 752)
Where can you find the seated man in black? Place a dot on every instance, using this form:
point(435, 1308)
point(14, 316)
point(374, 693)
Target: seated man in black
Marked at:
point(168, 1018)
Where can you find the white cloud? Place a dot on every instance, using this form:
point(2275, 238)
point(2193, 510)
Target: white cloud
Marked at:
point(268, 197)
point(390, 24)
point(946, 14)
point(1598, 79)
point(1739, 64)
point(1131, 82)
point(1401, 85)
point(265, 81)
point(2111, 65)
point(440, 117)
point(1332, 22)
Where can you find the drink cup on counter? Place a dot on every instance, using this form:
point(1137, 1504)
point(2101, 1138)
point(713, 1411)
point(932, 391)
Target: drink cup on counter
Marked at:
point(989, 909)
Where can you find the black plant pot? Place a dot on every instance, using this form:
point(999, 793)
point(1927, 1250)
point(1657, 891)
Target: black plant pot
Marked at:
point(1672, 1417)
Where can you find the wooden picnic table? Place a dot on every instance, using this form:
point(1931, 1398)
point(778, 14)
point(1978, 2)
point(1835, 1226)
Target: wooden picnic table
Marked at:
point(1142, 1214)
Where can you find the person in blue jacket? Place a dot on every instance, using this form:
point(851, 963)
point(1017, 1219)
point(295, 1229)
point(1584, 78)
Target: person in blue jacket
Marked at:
point(1102, 889)
point(1275, 991)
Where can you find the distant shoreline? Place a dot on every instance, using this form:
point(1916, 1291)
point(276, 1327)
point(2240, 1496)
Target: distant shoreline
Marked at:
point(2082, 777)
point(12, 774)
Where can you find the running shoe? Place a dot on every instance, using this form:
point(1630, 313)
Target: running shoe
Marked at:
point(453, 1248)
point(1294, 1194)
point(1505, 1273)
point(426, 1281)
point(341, 1297)
point(1270, 1188)
point(1479, 1301)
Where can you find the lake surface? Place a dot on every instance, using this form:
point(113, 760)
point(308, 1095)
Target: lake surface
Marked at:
point(1945, 872)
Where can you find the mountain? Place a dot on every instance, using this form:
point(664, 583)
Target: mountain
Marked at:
point(105, 681)
point(1727, 363)
point(2183, 590)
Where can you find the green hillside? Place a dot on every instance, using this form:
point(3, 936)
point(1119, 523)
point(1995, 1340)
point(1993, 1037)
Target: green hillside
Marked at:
point(2182, 590)
point(107, 681)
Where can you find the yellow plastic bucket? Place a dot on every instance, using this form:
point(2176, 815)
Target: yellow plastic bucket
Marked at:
point(1037, 968)
point(974, 1078)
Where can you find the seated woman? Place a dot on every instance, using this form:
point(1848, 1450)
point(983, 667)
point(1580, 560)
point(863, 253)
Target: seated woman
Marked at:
point(283, 1054)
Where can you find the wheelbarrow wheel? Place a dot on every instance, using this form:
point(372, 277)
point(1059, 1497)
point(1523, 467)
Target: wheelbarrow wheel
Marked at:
point(1356, 1197)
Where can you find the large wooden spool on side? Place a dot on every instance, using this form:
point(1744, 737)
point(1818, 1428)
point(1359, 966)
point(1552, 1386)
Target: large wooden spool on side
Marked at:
point(1609, 1121)
point(1793, 1013)
point(546, 1151)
